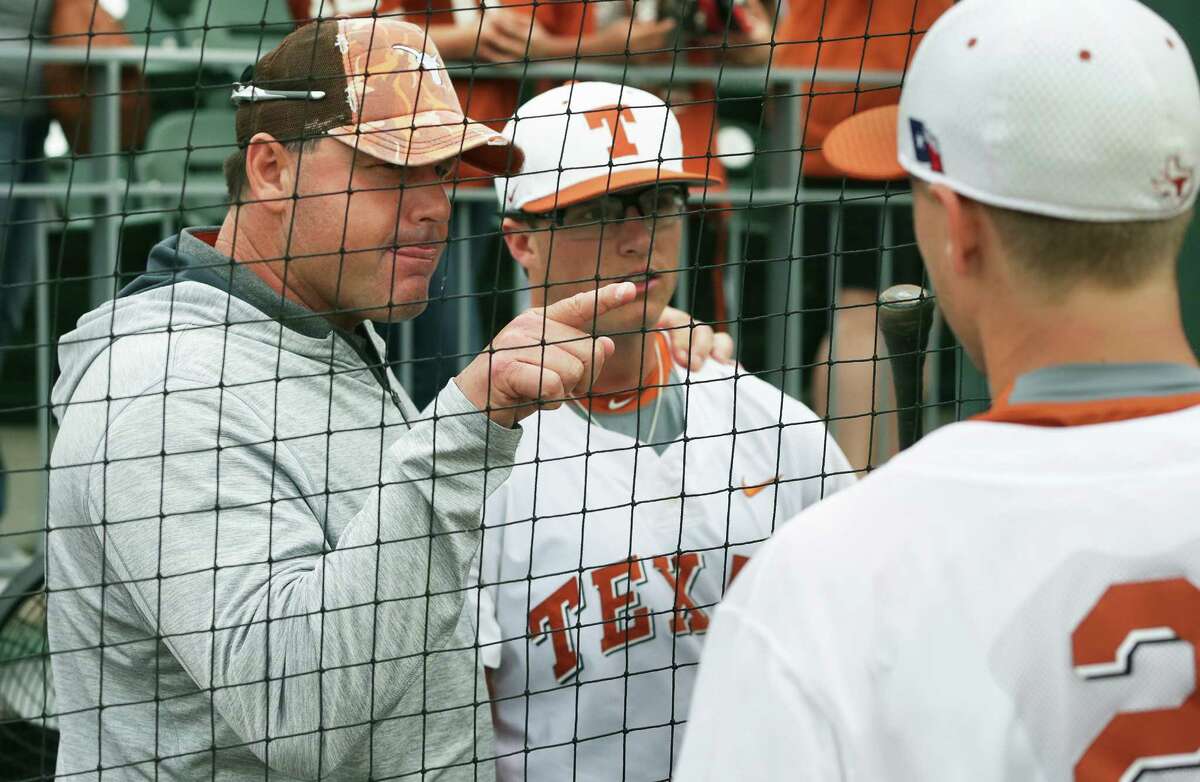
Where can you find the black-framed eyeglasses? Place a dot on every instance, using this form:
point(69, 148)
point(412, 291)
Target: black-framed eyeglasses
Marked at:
point(657, 202)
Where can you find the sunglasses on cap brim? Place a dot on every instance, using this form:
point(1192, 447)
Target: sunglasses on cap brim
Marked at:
point(245, 92)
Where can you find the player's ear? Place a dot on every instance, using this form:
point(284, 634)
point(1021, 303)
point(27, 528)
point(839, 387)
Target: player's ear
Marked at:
point(962, 220)
point(518, 236)
point(270, 173)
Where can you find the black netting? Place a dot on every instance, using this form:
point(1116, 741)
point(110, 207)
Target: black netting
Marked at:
point(252, 521)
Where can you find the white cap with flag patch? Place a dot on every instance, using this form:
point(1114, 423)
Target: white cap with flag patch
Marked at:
point(584, 139)
point(1079, 109)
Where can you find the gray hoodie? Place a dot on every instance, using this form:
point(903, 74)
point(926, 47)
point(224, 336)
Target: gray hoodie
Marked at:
point(251, 573)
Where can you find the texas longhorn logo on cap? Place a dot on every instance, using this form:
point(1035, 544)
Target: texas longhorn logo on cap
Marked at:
point(585, 139)
point(612, 120)
point(425, 61)
point(925, 144)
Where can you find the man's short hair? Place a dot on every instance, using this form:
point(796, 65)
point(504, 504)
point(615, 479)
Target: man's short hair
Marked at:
point(235, 165)
point(1114, 255)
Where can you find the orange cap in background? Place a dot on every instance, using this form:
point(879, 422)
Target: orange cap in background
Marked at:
point(864, 146)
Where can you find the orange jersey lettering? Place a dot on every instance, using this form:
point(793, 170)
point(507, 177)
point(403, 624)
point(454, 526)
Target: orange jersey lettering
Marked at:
point(626, 620)
point(553, 618)
point(680, 572)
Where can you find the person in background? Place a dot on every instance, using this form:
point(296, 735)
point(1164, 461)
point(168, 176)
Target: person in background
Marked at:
point(852, 35)
point(30, 95)
point(744, 43)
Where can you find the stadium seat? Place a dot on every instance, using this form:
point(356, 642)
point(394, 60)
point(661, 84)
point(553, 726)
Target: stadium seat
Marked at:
point(76, 213)
point(188, 149)
point(157, 23)
point(257, 25)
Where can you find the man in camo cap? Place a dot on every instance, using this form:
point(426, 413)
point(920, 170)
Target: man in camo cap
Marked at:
point(253, 572)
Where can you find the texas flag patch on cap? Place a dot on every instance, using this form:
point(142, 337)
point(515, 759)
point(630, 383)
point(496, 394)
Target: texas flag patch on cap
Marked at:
point(925, 144)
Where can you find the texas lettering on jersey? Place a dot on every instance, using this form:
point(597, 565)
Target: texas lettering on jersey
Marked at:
point(626, 621)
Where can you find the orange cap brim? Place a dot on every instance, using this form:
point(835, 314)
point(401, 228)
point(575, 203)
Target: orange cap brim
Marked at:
point(864, 146)
point(611, 183)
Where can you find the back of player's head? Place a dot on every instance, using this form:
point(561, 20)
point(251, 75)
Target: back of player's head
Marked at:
point(1059, 253)
point(1076, 124)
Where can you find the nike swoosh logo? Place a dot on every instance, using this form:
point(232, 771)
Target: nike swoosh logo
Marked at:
point(615, 405)
point(756, 488)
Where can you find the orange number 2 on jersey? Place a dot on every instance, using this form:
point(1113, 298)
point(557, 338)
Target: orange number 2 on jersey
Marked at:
point(1124, 617)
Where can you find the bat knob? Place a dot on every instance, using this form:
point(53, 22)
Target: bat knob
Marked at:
point(905, 316)
point(904, 296)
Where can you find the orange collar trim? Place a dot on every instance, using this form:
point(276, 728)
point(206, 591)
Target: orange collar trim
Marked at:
point(627, 401)
point(1082, 413)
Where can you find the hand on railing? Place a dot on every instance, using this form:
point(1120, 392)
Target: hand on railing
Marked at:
point(506, 36)
point(630, 36)
point(509, 36)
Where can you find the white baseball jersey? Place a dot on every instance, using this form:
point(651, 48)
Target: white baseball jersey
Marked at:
point(602, 562)
point(1003, 601)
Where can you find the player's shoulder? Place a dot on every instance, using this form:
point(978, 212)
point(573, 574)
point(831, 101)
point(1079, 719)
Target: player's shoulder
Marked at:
point(857, 571)
point(872, 525)
point(989, 453)
point(820, 581)
point(814, 585)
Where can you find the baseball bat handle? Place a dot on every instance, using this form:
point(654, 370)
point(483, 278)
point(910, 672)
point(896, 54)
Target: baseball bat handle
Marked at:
point(905, 318)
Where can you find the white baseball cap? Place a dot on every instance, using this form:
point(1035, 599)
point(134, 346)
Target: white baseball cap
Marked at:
point(584, 139)
point(1086, 110)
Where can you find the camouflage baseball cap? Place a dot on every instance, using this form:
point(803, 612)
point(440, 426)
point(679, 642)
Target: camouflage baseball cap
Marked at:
point(377, 85)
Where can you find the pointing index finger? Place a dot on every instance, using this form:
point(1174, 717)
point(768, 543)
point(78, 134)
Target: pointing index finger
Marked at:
point(579, 310)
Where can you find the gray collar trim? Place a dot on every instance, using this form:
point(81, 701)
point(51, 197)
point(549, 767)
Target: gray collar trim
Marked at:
point(1087, 382)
